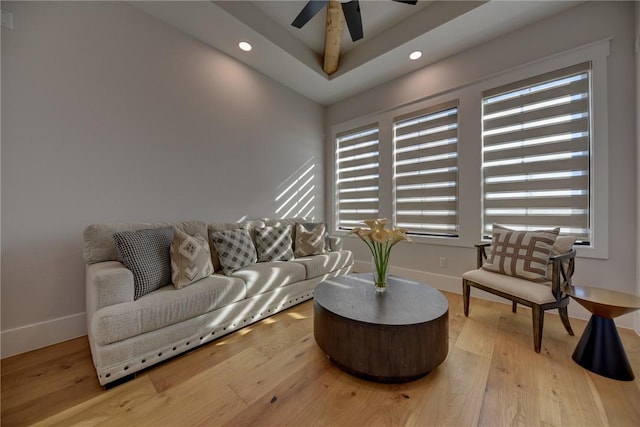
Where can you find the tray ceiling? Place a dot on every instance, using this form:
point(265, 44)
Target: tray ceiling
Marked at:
point(392, 30)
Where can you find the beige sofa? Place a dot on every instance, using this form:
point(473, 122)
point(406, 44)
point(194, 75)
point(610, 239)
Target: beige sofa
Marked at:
point(128, 335)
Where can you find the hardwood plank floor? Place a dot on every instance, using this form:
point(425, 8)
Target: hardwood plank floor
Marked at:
point(273, 374)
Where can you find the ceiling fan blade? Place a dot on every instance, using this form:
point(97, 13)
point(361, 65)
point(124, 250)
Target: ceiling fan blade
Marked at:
point(352, 15)
point(412, 2)
point(309, 11)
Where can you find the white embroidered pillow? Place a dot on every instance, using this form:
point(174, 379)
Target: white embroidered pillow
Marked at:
point(190, 259)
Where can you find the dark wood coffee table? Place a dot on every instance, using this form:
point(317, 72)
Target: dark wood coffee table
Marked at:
point(397, 336)
point(600, 349)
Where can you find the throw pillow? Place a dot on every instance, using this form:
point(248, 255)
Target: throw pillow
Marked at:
point(309, 242)
point(190, 259)
point(522, 254)
point(273, 243)
point(562, 245)
point(146, 254)
point(327, 240)
point(235, 249)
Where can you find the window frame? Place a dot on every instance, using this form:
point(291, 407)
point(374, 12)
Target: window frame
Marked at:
point(337, 136)
point(575, 78)
point(385, 122)
point(597, 53)
point(430, 111)
point(470, 147)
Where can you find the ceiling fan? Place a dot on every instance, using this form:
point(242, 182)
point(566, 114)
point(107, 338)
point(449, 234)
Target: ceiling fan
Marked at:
point(337, 13)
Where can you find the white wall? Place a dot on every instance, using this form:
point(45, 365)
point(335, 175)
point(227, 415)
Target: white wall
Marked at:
point(108, 115)
point(577, 27)
point(637, 80)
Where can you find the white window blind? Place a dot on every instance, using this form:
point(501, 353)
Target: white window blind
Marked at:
point(357, 176)
point(426, 170)
point(536, 153)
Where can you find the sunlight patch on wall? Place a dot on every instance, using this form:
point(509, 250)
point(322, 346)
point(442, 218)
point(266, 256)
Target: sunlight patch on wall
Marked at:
point(295, 196)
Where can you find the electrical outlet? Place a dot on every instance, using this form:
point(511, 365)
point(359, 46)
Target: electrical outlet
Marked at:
point(443, 262)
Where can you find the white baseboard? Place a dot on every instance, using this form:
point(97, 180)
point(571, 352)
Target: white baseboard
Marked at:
point(38, 335)
point(453, 284)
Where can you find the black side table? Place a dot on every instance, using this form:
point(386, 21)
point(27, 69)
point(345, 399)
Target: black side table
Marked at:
point(600, 349)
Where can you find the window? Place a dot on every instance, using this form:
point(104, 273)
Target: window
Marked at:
point(526, 147)
point(426, 170)
point(536, 153)
point(357, 176)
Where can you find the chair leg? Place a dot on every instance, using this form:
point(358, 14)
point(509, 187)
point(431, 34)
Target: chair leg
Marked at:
point(466, 292)
point(538, 323)
point(564, 316)
point(514, 306)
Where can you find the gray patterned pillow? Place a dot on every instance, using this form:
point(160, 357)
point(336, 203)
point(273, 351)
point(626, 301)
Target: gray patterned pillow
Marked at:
point(309, 242)
point(235, 249)
point(146, 254)
point(273, 243)
point(190, 259)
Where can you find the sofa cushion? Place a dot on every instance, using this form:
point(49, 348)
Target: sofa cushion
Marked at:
point(235, 249)
point(539, 293)
point(318, 265)
point(99, 245)
point(265, 276)
point(190, 259)
point(522, 254)
point(146, 254)
point(273, 243)
point(222, 226)
point(165, 307)
point(309, 242)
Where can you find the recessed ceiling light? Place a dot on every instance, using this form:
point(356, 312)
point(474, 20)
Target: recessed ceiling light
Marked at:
point(245, 46)
point(416, 54)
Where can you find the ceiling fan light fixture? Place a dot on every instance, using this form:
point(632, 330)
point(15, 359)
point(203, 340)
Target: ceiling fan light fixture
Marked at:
point(246, 46)
point(416, 54)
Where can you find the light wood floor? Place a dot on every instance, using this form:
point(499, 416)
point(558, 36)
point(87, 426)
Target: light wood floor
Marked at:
point(273, 374)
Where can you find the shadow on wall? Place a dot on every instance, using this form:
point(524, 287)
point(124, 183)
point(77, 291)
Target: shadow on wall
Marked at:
point(295, 196)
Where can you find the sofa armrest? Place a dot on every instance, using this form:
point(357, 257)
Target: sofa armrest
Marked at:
point(335, 243)
point(108, 283)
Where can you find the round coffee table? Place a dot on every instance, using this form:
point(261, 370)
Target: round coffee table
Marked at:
point(397, 336)
point(600, 349)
